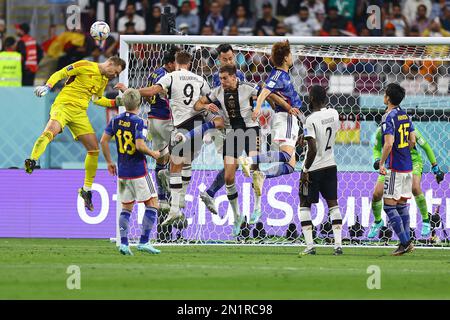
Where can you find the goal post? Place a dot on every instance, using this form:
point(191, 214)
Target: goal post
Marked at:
point(355, 71)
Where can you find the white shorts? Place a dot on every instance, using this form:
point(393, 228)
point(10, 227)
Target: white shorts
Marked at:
point(397, 185)
point(285, 129)
point(140, 189)
point(160, 131)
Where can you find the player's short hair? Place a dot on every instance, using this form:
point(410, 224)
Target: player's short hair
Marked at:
point(318, 94)
point(228, 68)
point(223, 48)
point(183, 57)
point(395, 92)
point(280, 50)
point(169, 56)
point(131, 99)
point(118, 62)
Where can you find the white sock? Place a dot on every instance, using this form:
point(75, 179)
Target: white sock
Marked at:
point(257, 202)
point(233, 199)
point(336, 222)
point(176, 189)
point(87, 188)
point(307, 227)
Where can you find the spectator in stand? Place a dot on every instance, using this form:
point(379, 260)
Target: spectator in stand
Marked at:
point(157, 29)
point(302, 24)
point(10, 44)
point(258, 7)
point(421, 22)
point(389, 30)
point(281, 29)
point(186, 17)
point(414, 32)
point(130, 28)
point(207, 30)
point(31, 53)
point(285, 8)
point(445, 19)
point(215, 18)
point(399, 21)
point(242, 21)
point(165, 3)
point(152, 19)
point(2, 32)
point(438, 8)
point(346, 8)
point(316, 8)
point(267, 24)
point(121, 6)
point(97, 55)
point(362, 15)
point(233, 30)
point(410, 8)
point(334, 20)
point(183, 28)
point(131, 16)
point(194, 5)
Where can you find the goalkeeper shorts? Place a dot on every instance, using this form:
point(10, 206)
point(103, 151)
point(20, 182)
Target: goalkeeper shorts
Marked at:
point(75, 118)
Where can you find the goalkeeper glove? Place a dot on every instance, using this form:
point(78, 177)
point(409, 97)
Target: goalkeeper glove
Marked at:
point(119, 101)
point(41, 91)
point(438, 173)
point(376, 164)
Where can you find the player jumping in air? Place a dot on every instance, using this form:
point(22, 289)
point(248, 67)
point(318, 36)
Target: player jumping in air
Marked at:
point(397, 138)
point(416, 189)
point(135, 183)
point(285, 125)
point(319, 173)
point(85, 81)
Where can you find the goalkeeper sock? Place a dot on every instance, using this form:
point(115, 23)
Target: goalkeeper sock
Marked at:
point(147, 223)
point(162, 195)
point(90, 165)
point(397, 224)
point(421, 202)
point(272, 156)
point(278, 170)
point(376, 209)
point(124, 223)
point(307, 226)
point(336, 222)
point(200, 130)
point(176, 187)
point(232, 196)
point(257, 202)
point(403, 212)
point(219, 182)
point(41, 144)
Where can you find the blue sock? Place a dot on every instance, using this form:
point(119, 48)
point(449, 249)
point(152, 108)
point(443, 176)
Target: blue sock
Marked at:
point(403, 212)
point(147, 223)
point(272, 156)
point(200, 130)
point(397, 224)
point(124, 224)
point(278, 170)
point(162, 195)
point(219, 182)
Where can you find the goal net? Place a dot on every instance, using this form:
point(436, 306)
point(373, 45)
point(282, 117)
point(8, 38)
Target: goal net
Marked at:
point(355, 72)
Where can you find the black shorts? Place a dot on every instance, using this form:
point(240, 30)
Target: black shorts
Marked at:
point(324, 182)
point(238, 140)
point(193, 146)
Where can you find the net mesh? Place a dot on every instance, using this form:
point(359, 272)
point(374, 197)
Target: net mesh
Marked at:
point(355, 77)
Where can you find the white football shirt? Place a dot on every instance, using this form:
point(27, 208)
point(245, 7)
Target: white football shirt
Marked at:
point(322, 126)
point(183, 88)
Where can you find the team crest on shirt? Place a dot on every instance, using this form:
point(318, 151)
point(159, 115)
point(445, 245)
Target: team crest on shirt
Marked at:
point(271, 84)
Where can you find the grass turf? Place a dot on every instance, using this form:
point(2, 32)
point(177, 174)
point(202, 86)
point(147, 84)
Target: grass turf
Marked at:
point(36, 269)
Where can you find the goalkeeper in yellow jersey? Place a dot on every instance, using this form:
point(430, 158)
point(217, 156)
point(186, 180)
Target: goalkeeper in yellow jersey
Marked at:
point(85, 81)
point(417, 161)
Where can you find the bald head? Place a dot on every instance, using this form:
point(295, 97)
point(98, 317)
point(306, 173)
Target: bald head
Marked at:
point(131, 99)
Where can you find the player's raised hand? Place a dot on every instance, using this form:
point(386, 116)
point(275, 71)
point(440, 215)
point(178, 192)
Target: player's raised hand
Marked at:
point(382, 170)
point(294, 111)
point(212, 107)
point(155, 154)
point(120, 86)
point(112, 169)
point(41, 91)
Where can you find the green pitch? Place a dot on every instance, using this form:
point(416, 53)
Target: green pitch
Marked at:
point(37, 269)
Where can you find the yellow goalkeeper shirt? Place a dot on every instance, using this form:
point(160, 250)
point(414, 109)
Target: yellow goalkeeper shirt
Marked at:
point(84, 82)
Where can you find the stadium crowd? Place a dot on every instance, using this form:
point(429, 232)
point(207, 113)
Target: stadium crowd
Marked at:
point(229, 17)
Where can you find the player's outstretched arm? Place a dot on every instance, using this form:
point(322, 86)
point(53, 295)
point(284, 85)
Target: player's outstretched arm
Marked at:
point(423, 143)
point(205, 104)
point(104, 143)
point(259, 102)
point(151, 91)
point(70, 70)
point(274, 98)
point(142, 147)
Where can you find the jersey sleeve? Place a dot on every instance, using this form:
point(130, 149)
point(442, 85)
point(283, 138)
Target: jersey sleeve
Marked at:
point(309, 130)
point(212, 95)
point(102, 101)
point(216, 80)
point(377, 147)
point(165, 81)
point(141, 130)
point(109, 130)
point(388, 126)
point(205, 89)
point(274, 83)
point(68, 71)
point(425, 146)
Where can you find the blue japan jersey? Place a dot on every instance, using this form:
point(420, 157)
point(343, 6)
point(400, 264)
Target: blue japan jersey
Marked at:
point(126, 128)
point(279, 82)
point(398, 124)
point(216, 80)
point(159, 107)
